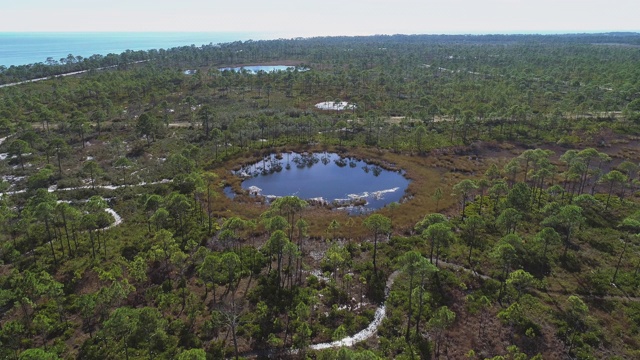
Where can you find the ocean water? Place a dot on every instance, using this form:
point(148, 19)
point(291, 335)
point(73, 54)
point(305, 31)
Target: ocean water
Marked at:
point(32, 47)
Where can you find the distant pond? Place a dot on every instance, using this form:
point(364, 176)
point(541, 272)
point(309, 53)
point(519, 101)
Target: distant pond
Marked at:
point(324, 178)
point(266, 68)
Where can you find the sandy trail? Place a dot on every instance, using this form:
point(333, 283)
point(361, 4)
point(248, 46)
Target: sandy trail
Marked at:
point(370, 330)
point(65, 74)
point(380, 314)
point(117, 218)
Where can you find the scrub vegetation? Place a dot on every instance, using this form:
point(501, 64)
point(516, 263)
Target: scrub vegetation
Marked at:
point(517, 237)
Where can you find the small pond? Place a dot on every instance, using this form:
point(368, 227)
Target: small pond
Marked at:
point(228, 191)
point(256, 69)
point(325, 178)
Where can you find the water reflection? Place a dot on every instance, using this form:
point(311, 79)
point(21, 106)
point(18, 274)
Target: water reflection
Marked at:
point(266, 68)
point(324, 178)
point(228, 191)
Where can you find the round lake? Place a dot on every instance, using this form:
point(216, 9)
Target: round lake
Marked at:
point(256, 69)
point(326, 178)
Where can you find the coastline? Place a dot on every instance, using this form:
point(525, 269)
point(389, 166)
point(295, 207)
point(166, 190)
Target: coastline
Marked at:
point(26, 48)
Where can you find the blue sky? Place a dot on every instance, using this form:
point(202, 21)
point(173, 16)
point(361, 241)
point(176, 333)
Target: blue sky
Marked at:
point(288, 18)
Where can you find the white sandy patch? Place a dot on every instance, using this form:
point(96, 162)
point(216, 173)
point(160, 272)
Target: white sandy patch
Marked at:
point(361, 336)
point(380, 194)
point(116, 217)
point(377, 195)
point(319, 200)
point(318, 274)
point(107, 187)
point(12, 178)
point(337, 106)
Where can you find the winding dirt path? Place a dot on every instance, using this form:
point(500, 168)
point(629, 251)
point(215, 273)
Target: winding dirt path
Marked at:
point(117, 218)
point(370, 330)
point(444, 264)
point(380, 314)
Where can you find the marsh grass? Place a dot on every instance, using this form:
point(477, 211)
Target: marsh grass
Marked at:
point(427, 173)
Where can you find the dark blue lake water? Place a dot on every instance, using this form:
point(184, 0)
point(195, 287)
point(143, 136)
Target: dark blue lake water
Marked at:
point(29, 48)
point(258, 68)
point(325, 177)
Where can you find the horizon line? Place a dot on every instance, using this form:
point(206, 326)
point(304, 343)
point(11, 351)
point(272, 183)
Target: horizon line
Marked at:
point(515, 32)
